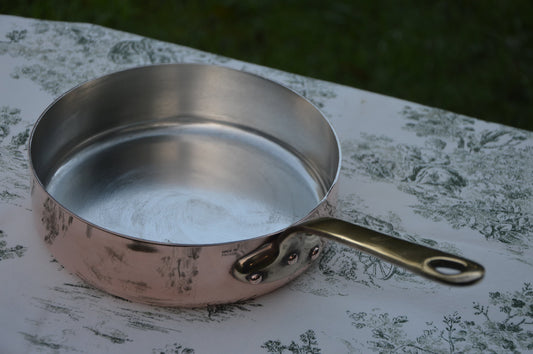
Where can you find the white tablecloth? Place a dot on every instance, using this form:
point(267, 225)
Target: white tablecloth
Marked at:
point(420, 173)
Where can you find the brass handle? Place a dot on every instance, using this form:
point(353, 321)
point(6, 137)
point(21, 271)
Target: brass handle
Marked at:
point(428, 262)
point(298, 246)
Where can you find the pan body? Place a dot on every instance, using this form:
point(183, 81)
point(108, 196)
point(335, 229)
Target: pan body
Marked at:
point(150, 183)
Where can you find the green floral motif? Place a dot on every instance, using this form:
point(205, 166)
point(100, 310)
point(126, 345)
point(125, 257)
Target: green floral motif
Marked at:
point(135, 51)
point(45, 344)
point(115, 336)
point(47, 64)
point(173, 349)
point(218, 312)
point(504, 325)
point(148, 51)
point(61, 56)
point(16, 36)
point(7, 252)
point(308, 345)
point(14, 133)
point(10, 117)
point(512, 327)
point(458, 174)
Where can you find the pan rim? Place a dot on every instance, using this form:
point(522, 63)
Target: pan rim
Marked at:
point(136, 239)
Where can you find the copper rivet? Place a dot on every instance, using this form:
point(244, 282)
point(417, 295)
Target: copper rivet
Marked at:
point(314, 252)
point(293, 258)
point(255, 278)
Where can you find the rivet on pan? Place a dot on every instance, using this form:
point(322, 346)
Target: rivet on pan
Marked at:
point(315, 251)
point(255, 278)
point(292, 258)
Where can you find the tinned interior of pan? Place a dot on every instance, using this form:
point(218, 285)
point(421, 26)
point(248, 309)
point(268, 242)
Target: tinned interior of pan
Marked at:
point(185, 154)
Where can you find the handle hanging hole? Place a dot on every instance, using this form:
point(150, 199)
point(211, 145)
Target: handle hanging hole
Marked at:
point(447, 266)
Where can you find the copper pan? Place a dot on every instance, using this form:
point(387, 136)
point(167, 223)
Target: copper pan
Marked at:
point(187, 185)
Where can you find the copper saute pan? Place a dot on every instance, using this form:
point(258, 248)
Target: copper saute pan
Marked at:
point(187, 185)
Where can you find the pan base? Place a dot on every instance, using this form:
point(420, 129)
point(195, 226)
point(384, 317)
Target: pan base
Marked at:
point(186, 182)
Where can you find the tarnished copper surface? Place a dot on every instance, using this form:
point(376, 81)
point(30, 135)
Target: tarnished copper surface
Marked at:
point(148, 272)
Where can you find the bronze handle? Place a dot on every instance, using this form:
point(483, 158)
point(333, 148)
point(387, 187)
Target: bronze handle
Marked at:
point(431, 263)
point(297, 247)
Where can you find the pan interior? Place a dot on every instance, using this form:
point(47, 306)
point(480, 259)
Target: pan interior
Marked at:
point(186, 181)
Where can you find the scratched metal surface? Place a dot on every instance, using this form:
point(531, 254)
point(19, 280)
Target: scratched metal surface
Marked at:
point(414, 172)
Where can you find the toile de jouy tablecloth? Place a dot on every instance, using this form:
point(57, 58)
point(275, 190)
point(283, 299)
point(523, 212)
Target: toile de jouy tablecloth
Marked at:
point(415, 172)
